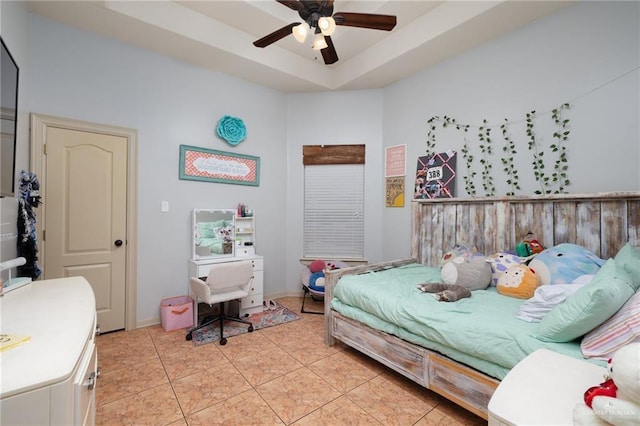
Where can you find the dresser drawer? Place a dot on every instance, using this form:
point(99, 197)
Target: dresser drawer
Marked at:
point(257, 264)
point(85, 388)
point(251, 301)
point(201, 269)
point(257, 284)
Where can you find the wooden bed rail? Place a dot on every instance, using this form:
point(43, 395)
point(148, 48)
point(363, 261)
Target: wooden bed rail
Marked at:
point(331, 279)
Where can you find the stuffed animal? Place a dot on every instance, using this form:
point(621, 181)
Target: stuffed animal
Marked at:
point(317, 266)
point(225, 233)
point(459, 250)
point(316, 281)
point(564, 263)
point(445, 292)
point(313, 275)
point(501, 262)
point(472, 272)
point(617, 400)
point(519, 281)
point(528, 246)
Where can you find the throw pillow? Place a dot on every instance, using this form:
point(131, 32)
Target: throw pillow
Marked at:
point(628, 258)
point(588, 307)
point(619, 330)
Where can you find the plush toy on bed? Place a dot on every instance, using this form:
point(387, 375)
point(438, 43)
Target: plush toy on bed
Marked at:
point(528, 246)
point(459, 250)
point(564, 263)
point(617, 400)
point(466, 268)
point(519, 281)
point(501, 262)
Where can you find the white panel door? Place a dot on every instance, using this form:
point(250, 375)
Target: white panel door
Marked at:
point(85, 218)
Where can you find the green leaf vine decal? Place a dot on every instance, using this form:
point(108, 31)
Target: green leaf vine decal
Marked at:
point(560, 167)
point(553, 182)
point(484, 136)
point(509, 151)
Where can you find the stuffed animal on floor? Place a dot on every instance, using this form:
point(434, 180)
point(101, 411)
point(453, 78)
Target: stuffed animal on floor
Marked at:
point(617, 400)
point(471, 272)
point(519, 281)
point(564, 263)
point(445, 292)
point(313, 275)
point(501, 262)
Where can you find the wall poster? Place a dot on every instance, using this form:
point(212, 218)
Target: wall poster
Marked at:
point(394, 191)
point(436, 176)
point(210, 165)
point(395, 160)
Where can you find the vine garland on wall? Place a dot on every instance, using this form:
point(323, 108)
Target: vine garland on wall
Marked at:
point(554, 182)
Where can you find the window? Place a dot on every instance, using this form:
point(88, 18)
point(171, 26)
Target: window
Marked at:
point(334, 202)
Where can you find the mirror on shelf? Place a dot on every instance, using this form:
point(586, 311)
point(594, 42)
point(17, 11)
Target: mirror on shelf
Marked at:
point(213, 233)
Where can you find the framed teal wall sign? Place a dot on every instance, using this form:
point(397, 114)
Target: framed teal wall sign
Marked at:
point(210, 165)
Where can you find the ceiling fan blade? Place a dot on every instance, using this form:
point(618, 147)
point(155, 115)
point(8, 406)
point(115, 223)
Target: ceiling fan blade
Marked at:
point(275, 36)
point(365, 20)
point(329, 53)
point(325, 3)
point(291, 4)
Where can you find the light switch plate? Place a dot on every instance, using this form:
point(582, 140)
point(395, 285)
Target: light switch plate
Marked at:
point(165, 206)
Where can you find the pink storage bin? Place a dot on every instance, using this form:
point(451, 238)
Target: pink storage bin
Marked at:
point(176, 312)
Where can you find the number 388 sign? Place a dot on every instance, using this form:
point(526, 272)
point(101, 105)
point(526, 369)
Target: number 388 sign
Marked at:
point(434, 173)
point(436, 176)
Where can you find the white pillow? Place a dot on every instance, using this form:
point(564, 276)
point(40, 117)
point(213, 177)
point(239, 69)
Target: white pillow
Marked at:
point(545, 298)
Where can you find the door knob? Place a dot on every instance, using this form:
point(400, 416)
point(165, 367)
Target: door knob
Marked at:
point(118, 243)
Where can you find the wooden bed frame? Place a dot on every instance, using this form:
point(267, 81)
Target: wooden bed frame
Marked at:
point(602, 223)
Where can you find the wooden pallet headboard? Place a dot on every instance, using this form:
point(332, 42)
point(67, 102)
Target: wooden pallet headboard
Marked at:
point(602, 223)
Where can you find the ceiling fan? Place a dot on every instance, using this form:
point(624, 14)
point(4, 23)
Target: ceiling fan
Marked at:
point(317, 15)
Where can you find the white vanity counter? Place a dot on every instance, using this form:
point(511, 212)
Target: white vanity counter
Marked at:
point(50, 378)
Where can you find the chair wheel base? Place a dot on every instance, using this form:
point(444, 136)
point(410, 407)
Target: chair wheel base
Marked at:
point(189, 336)
point(250, 329)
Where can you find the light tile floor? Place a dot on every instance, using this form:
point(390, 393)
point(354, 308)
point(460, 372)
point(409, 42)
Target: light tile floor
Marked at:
point(278, 375)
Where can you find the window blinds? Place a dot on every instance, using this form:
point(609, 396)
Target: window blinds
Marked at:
point(334, 211)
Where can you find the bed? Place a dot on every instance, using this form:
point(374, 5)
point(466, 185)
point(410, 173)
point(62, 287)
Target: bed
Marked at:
point(603, 223)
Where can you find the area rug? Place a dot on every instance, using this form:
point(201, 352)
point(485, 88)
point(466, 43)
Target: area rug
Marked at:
point(268, 318)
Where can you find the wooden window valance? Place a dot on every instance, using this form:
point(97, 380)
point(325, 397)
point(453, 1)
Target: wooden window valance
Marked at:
point(313, 155)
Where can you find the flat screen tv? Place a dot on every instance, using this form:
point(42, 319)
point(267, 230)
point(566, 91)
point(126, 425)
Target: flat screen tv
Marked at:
point(8, 121)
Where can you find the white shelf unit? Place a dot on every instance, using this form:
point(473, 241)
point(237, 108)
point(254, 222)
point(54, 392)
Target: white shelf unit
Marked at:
point(245, 236)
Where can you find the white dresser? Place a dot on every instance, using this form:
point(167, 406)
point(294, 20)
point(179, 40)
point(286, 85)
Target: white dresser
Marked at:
point(249, 305)
point(542, 389)
point(50, 379)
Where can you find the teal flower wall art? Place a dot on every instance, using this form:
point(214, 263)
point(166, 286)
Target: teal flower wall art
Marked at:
point(231, 129)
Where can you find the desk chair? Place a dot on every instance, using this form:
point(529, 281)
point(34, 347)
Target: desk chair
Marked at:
point(225, 282)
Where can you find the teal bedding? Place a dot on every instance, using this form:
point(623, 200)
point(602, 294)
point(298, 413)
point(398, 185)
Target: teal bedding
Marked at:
point(481, 331)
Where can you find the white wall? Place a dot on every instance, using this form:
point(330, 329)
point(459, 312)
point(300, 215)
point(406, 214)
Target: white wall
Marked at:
point(562, 58)
point(14, 27)
point(587, 55)
point(333, 118)
point(80, 75)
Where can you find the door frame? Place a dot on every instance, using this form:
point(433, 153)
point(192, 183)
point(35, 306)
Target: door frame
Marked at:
point(37, 160)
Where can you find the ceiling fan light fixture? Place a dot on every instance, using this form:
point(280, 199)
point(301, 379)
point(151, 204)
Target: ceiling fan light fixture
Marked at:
point(300, 32)
point(318, 42)
point(327, 25)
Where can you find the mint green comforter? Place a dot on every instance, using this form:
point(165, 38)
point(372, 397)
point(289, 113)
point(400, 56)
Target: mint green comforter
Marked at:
point(481, 331)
